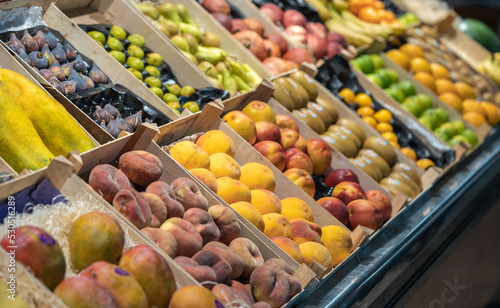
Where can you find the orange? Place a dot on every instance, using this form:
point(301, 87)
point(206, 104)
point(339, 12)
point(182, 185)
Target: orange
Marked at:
point(426, 79)
point(384, 127)
point(365, 111)
point(464, 90)
point(475, 118)
point(412, 50)
point(397, 23)
point(390, 136)
point(470, 105)
point(379, 5)
point(445, 85)
point(363, 100)
point(399, 57)
point(439, 71)
point(370, 121)
point(369, 14)
point(395, 144)
point(492, 113)
point(355, 6)
point(383, 115)
point(452, 100)
point(389, 16)
point(419, 64)
point(409, 153)
point(425, 163)
point(347, 95)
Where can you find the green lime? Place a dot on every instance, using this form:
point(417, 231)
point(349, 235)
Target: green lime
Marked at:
point(442, 136)
point(413, 108)
point(457, 139)
point(394, 75)
point(374, 79)
point(470, 135)
point(432, 116)
point(356, 64)
point(385, 77)
point(443, 115)
point(458, 125)
point(425, 99)
point(366, 64)
point(450, 127)
point(444, 132)
point(407, 88)
point(425, 122)
point(377, 60)
point(397, 93)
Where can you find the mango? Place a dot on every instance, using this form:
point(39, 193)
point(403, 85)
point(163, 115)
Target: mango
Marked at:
point(84, 292)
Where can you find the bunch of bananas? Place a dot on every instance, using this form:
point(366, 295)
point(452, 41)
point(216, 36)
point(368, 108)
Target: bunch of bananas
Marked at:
point(491, 67)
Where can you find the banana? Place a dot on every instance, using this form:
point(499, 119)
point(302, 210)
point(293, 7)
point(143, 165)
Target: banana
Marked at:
point(255, 79)
point(367, 28)
point(352, 37)
point(491, 67)
point(321, 8)
point(340, 5)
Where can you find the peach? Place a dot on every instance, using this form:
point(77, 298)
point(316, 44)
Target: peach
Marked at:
point(302, 179)
point(203, 223)
point(227, 295)
point(133, 206)
point(312, 251)
point(194, 296)
point(189, 241)
point(222, 164)
point(166, 194)
point(338, 242)
point(272, 286)
point(273, 151)
point(257, 176)
point(265, 201)
point(295, 158)
point(216, 141)
point(285, 122)
point(152, 272)
point(158, 209)
point(227, 254)
point(365, 213)
point(382, 202)
point(221, 267)
point(188, 194)
point(165, 240)
point(202, 273)
point(291, 139)
point(261, 304)
point(242, 290)
point(226, 221)
point(289, 246)
point(190, 155)
point(320, 154)
point(206, 177)
point(294, 208)
point(280, 265)
point(305, 231)
point(84, 291)
point(267, 131)
point(241, 124)
point(231, 190)
point(250, 213)
point(336, 207)
point(249, 253)
point(348, 191)
point(276, 225)
point(259, 111)
point(107, 181)
point(141, 167)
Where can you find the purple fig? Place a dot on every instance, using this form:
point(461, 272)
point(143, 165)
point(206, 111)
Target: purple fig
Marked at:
point(58, 71)
point(40, 38)
point(15, 43)
point(101, 115)
point(113, 129)
point(48, 54)
point(46, 73)
point(38, 60)
point(59, 53)
point(51, 39)
point(97, 75)
point(67, 67)
point(134, 120)
point(70, 51)
point(69, 86)
point(80, 84)
point(112, 110)
point(103, 125)
point(57, 84)
point(79, 65)
point(29, 43)
point(122, 124)
point(22, 53)
point(88, 82)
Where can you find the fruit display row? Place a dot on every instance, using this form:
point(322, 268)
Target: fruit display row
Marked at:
point(338, 77)
point(203, 48)
point(149, 67)
point(448, 127)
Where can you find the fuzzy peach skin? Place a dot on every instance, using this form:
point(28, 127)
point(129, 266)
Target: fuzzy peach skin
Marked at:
point(133, 206)
point(249, 253)
point(280, 265)
point(338, 242)
point(231, 190)
point(189, 241)
point(302, 179)
point(202, 273)
point(158, 209)
point(203, 223)
point(265, 201)
point(190, 155)
point(271, 286)
point(250, 213)
point(277, 225)
point(107, 181)
point(216, 141)
point(226, 294)
point(227, 254)
point(166, 194)
point(257, 176)
point(226, 221)
point(141, 167)
point(289, 246)
point(188, 194)
point(164, 239)
point(305, 231)
point(206, 177)
point(221, 267)
point(294, 208)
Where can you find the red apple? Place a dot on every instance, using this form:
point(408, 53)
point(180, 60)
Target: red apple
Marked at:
point(297, 34)
point(364, 213)
point(336, 207)
point(216, 6)
point(280, 40)
point(316, 28)
point(272, 49)
point(293, 17)
point(273, 151)
point(284, 122)
point(333, 48)
point(253, 41)
point(298, 56)
point(320, 154)
point(317, 45)
point(348, 191)
point(382, 202)
point(336, 37)
point(295, 158)
point(224, 20)
point(238, 25)
point(254, 25)
point(291, 139)
point(271, 10)
point(267, 131)
point(337, 176)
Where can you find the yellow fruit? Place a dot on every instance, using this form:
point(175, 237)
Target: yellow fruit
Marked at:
point(250, 213)
point(464, 90)
point(231, 190)
point(390, 136)
point(426, 79)
point(412, 50)
point(294, 208)
point(400, 58)
point(409, 153)
point(383, 115)
point(475, 118)
point(492, 113)
point(445, 86)
point(395, 144)
point(255, 176)
point(277, 225)
point(363, 100)
point(439, 71)
point(222, 164)
point(365, 111)
point(265, 201)
point(347, 95)
point(370, 121)
point(425, 163)
point(312, 251)
point(452, 100)
point(470, 105)
point(338, 242)
point(190, 155)
point(384, 127)
point(216, 141)
point(419, 64)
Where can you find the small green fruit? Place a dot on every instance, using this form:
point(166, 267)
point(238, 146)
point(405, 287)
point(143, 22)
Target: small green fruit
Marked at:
point(114, 44)
point(135, 63)
point(192, 106)
point(157, 91)
point(187, 90)
point(136, 39)
point(136, 73)
point(174, 105)
point(153, 81)
point(118, 55)
point(169, 97)
point(175, 89)
point(154, 59)
point(152, 70)
point(118, 32)
point(135, 51)
point(98, 36)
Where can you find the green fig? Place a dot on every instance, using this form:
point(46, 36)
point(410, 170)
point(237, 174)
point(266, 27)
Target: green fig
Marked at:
point(135, 51)
point(180, 42)
point(97, 36)
point(135, 63)
point(157, 91)
point(187, 90)
point(192, 106)
point(153, 81)
point(135, 72)
point(154, 59)
point(118, 32)
point(148, 10)
point(169, 97)
point(175, 89)
point(152, 70)
point(114, 44)
point(119, 56)
point(168, 11)
point(183, 13)
point(136, 39)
